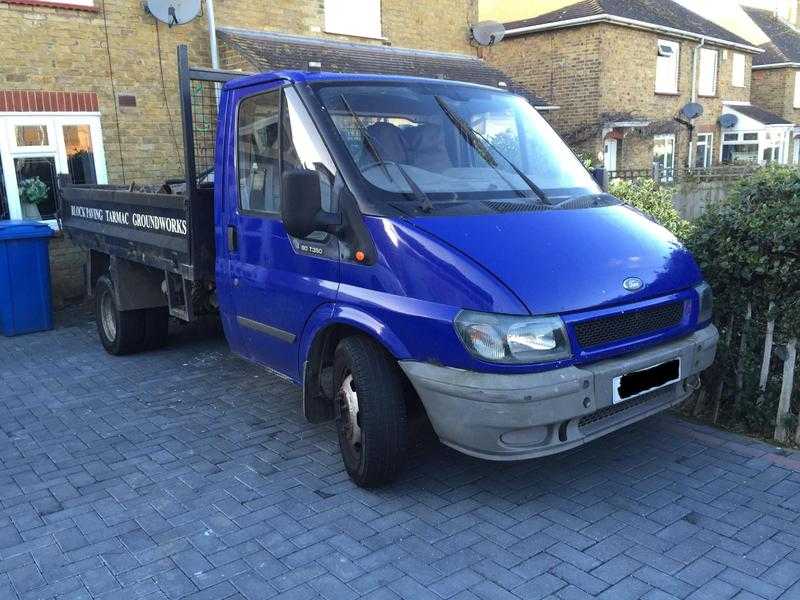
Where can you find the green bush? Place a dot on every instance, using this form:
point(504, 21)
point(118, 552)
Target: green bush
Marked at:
point(749, 249)
point(655, 201)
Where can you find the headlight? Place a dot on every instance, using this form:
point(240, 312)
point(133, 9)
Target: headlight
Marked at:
point(513, 339)
point(706, 298)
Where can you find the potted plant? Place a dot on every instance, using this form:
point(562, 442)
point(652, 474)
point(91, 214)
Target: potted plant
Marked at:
point(32, 192)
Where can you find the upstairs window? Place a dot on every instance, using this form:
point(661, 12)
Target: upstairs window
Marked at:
point(707, 85)
point(796, 102)
point(738, 65)
point(361, 18)
point(668, 57)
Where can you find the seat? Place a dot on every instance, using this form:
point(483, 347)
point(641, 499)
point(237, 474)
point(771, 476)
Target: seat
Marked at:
point(427, 148)
point(388, 141)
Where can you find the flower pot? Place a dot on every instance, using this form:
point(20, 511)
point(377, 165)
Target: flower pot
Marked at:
point(31, 211)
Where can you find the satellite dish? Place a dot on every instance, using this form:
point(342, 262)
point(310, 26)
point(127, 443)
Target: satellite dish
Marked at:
point(174, 12)
point(487, 33)
point(728, 120)
point(692, 110)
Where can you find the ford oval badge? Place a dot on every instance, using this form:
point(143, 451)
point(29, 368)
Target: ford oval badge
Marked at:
point(633, 284)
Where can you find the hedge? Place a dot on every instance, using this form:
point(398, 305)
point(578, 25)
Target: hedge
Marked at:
point(748, 247)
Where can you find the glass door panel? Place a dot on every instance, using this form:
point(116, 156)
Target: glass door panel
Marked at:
point(80, 154)
point(36, 180)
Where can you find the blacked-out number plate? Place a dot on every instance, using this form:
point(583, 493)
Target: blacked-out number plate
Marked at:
point(646, 380)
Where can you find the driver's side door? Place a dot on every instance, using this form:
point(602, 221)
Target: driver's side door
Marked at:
point(276, 282)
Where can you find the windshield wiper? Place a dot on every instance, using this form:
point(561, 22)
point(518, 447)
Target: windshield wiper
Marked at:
point(416, 191)
point(478, 141)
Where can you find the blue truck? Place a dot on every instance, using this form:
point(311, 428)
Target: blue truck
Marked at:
point(401, 247)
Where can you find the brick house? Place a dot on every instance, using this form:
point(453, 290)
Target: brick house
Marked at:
point(89, 87)
point(620, 73)
point(776, 72)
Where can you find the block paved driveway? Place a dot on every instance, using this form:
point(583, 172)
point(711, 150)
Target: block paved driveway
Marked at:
point(189, 473)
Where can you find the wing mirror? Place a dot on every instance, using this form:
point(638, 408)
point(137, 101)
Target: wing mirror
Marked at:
point(301, 204)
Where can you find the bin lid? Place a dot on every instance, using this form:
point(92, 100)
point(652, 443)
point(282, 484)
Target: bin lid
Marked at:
point(20, 229)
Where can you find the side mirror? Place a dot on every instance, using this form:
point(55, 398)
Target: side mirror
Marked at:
point(301, 207)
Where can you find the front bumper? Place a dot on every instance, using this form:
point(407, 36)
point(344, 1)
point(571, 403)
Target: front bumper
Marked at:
point(520, 416)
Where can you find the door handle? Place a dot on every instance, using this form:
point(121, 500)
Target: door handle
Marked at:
point(233, 239)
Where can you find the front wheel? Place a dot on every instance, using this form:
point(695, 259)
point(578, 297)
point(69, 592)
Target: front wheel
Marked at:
point(370, 412)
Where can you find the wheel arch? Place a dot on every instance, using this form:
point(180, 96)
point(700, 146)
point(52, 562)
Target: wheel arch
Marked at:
point(324, 330)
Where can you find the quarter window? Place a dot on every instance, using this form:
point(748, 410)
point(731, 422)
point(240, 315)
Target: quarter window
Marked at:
point(667, 59)
point(258, 153)
point(361, 18)
point(708, 72)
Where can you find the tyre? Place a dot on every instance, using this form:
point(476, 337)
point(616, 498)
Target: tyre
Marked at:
point(156, 327)
point(370, 411)
point(121, 332)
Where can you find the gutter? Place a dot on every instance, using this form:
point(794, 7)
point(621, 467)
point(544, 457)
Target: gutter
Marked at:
point(784, 65)
point(607, 18)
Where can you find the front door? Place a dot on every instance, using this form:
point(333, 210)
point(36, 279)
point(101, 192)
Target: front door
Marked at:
point(610, 155)
point(275, 285)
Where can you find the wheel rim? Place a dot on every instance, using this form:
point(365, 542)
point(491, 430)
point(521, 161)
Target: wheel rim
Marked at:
point(348, 409)
point(107, 319)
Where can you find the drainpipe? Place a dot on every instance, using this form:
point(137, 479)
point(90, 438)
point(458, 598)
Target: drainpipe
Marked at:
point(212, 34)
point(690, 127)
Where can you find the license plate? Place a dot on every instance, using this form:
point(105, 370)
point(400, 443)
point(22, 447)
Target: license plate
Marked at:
point(640, 382)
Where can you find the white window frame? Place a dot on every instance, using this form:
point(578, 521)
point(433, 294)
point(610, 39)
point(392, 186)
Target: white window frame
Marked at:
point(56, 149)
point(669, 67)
point(707, 88)
point(708, 149)
point(358, 18)
point(738, 70)
point(668, 170)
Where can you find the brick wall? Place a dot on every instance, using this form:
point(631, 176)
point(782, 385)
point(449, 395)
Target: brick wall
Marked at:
point(58, 49)
point(66, 270)
point(604, 72)
point(564, 68)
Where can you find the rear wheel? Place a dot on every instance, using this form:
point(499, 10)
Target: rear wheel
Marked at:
point(370, 411)
point(121, 331)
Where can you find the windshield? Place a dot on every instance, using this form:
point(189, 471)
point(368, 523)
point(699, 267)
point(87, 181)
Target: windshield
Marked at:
point(429, 141)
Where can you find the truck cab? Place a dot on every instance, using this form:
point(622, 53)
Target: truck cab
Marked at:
point(375, 232)
point(400, 246)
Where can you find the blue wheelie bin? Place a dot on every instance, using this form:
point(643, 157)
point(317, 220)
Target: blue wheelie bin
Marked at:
point(25, 302)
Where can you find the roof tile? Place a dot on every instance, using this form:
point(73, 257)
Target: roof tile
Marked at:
point(270, 51)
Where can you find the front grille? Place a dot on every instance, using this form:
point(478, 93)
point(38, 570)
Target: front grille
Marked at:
point(606, 330)
point(610, 411)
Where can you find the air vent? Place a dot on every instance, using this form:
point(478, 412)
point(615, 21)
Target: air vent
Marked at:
point(513, 207)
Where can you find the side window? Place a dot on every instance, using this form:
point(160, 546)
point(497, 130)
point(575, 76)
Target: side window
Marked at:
point(257, 148)
point(304, 149)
